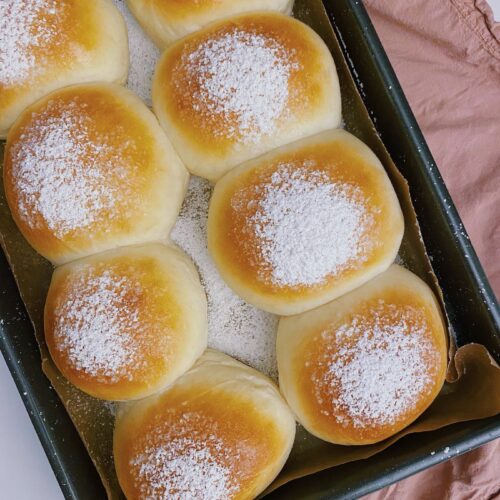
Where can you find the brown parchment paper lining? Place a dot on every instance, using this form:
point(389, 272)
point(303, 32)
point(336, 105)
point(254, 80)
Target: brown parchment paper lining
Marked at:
point(472, 390)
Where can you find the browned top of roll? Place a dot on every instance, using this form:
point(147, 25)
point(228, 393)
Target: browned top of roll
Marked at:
point(49, 44)
point(124, 323)
point(34, 34)
point(353, 367)
point(204, 109)
point(88, 168)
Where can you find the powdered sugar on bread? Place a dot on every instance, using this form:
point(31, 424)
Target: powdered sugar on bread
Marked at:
point(26, 27)
point(96, 325)
point(376, 366)
point(240, 79)
point(66, 176)
point(308, 227)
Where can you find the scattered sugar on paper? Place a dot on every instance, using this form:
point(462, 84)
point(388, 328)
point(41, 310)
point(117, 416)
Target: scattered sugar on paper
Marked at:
point(144, 55)
point(25, 26)
point(244, 75)
point(64, 175)
point(384, 365)
point(94, 323)
point(234, 327)
point(308, 226)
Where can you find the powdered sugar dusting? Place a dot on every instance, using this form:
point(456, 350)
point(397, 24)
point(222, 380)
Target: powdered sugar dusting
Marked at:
point(183, 469)
point(309, 228)
point(64, 176)
point(25, 26)
point(384, 364)
point(184, 458)
point(240, 76)
point(234, 327)
point(143, 55)
point(94, 325)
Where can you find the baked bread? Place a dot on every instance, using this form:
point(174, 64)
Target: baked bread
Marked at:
point(166, 21)
point(363, 367)
point(305, 223)
point(244, 86)
point(87, 169)
point(42, 49)
point(220, 431)
point(126, 323)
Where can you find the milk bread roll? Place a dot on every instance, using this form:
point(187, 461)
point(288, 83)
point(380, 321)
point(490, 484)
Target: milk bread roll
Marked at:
point(125, 323)
point(304, 224)
point(360, 369)
point(87, 169)
point(49, 44)
point(220, 431)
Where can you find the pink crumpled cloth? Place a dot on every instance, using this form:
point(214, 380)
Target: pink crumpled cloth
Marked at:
point(446, 54)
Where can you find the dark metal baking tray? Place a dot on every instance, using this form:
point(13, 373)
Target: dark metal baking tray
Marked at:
point(470, 302)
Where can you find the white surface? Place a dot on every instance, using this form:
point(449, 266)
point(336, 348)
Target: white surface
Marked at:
point(495, 7)
point(25, 473)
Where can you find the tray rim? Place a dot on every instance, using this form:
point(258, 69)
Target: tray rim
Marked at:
point(25, 375)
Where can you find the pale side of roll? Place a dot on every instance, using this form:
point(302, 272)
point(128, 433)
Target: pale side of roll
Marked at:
point(87, 169)
point(166, 21)
point(361, 368)
point(126, 323)
point(244, 86)
point(304, 224)
point(49, 44)
point(221, 431)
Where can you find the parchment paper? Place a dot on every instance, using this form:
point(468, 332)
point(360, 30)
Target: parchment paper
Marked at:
point(472, 390)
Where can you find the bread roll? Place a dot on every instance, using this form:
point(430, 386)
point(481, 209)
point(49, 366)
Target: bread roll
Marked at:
point(49, 44)
point(168, 20)
point(363, 367)
point(304, 224)
point(244, 86)
point(88, 169)
point(220, 431)
point(124, 324)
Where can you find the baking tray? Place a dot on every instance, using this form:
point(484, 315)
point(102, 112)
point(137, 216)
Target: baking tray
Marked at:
point(470, 302)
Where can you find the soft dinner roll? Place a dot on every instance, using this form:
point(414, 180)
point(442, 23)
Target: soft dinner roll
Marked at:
point(49, 44)
point(168, 20)
point(221, 431)
point(87, 169)
point(242, 87)
point(304, 224)
point(363, 367)
point(124, 324)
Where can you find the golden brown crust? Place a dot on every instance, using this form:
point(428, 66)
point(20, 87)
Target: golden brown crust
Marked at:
point(123, 324)
point(360, 369)
point(218, 113)
point(237, 236)
point(168, 20)
point(183, 9)
point(44, 49)
point(222, 419)
point(87, 169)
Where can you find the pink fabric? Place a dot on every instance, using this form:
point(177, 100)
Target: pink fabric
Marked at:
point(446, 54)
point(474, 476)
